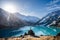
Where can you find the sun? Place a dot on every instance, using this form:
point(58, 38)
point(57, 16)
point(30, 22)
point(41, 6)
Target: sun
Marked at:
point(10, 8)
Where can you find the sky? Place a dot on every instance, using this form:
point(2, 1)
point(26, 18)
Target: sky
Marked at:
point(38, 8)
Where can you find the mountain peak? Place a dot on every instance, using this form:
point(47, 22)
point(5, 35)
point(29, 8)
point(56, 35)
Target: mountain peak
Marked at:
point(1, 9)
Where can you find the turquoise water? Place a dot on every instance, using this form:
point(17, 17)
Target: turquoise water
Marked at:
point(41, 30)
point(38, 30)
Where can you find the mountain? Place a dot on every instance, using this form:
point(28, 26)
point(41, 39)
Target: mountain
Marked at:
point(31, 19)
point(50, 19)
point(15, 20)
point(10, 20)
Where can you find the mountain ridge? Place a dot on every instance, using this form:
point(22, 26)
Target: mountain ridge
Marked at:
point(50, 18)
point(9, 19)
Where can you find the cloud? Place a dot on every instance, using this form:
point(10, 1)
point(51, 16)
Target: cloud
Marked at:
point(53, 2)
point(53, 5)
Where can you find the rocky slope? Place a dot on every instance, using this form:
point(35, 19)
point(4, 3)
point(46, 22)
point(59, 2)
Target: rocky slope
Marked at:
point(51, 19)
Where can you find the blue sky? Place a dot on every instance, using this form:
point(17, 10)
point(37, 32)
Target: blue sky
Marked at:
point(38, 8)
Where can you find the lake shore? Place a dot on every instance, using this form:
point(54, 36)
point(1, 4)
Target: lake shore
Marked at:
point(28, 37)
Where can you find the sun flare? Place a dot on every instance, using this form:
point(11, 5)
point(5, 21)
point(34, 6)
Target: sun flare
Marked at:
point(10, 8)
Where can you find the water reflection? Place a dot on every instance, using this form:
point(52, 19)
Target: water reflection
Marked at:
point(38, 30)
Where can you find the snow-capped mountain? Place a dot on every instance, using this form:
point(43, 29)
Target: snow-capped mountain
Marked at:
point(16, 19)
point(51, 18)
point(31, 19)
